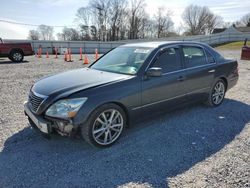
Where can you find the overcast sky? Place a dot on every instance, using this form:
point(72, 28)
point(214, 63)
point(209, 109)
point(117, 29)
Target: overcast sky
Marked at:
point(62, 12)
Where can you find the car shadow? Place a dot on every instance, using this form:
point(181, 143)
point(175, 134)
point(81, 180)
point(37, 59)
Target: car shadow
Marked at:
point(4, 62)
point(149, 152)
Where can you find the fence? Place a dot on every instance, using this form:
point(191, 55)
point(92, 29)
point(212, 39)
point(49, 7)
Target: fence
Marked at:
point(230, 35)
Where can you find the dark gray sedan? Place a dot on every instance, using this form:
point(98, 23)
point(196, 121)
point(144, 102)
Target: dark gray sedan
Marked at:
point(128, 83)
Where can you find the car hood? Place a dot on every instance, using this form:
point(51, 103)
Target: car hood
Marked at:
point(75, 80)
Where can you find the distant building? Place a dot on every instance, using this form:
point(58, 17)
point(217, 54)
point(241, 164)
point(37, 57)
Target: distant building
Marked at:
point(241, 29)
point(218, 30)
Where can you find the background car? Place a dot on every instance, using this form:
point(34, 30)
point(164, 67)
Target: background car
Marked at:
point(15, 51)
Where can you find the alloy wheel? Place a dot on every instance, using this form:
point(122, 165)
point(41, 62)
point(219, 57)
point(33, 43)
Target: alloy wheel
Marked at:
point(218, 93)
point(17, 56)
point(107, 127)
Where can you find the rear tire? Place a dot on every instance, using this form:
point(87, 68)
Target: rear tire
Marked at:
point(16, 56)
point(217, 94)
point(104, 126)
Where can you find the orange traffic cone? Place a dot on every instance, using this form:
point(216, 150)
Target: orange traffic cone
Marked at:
point(69, 55)
point(86, 60)
point(65, 56)
point(40, 53)
point(96, 54)
point(47, 54)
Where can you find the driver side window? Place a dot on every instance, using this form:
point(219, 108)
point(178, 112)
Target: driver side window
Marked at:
point(169, 60)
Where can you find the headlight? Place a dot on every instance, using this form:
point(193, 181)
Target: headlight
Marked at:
point(65, 108)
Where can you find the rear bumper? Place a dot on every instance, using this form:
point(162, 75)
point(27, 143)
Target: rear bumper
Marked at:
point(43, 125)
point(232, 82)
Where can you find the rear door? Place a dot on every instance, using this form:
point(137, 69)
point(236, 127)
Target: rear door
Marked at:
point(169, 89)
point(200, 71)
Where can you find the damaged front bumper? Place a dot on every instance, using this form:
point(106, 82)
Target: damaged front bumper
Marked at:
point(47, 126)
point(43, 125)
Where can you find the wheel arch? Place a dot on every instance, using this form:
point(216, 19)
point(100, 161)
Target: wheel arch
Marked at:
point(80, 121)
point(225, 80)
point(124, 109)
point(87, 129)
point(16, 50)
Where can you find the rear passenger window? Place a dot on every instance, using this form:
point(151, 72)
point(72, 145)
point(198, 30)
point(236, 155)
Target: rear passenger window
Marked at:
point(194, 56)
point(210, 58)
point(168, 60)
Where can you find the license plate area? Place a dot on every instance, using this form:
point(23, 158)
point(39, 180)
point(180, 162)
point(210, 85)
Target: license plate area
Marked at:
point(39, 122)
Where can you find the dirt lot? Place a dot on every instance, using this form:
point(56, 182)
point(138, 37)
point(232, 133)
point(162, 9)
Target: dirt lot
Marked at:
point(191, 147)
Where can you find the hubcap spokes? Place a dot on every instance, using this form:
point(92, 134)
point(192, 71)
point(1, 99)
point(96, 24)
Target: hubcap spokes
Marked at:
point(107, 127)
point(218, 93)
point(17, 56)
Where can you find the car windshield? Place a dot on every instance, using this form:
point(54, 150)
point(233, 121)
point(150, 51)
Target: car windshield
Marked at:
point(125, 60)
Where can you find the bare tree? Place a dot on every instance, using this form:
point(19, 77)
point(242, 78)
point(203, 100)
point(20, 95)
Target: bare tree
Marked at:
point(46, 32)
point(136, 16)
point(84, 16)
point(100, 16)
point(163, 21)
point(75, 35)
point(199, 20)
point(93, 32)
point(33, 35)
point(69, 34)
point(246, 20)
point(85, 30)
point(150, 31)
point(213, 21)
point(107, 20)
point(60, 36)
point(143, 27)
point(116, 16)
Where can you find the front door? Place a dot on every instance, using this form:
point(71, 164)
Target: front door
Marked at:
point(168, 90)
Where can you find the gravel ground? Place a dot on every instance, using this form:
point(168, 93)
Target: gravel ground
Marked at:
point(191, 147)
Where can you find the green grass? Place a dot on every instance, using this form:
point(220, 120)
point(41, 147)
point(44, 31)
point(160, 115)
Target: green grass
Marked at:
point(232, 46)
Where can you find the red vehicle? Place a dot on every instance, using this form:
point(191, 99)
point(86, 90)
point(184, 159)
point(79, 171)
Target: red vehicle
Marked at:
point(15, 51)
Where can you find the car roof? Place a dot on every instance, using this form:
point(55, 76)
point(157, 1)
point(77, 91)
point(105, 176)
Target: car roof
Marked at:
point(159, 44)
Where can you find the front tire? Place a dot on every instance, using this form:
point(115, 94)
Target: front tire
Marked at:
point(16, 56)
point(217, 94)
point(104, 126)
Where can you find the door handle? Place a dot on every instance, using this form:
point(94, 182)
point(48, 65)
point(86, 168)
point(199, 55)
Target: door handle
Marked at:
point(211, 71)
point(181, 78)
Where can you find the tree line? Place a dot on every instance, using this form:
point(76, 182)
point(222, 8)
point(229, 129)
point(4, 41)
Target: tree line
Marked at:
point(111, 20)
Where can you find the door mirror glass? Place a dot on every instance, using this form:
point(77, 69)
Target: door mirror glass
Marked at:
point(154, 72)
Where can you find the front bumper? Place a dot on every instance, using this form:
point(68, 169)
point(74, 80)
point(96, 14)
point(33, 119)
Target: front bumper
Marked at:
point(43, 125)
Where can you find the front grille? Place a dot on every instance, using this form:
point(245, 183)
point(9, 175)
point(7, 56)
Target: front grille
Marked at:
point(35, 101)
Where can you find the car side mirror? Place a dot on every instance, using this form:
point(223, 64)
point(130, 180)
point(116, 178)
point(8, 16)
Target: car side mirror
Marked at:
point(154, 72)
